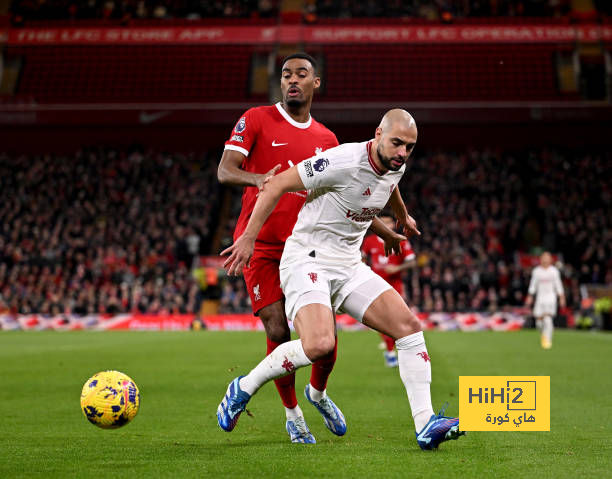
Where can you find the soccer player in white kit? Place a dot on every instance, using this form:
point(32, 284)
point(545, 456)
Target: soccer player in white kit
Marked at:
point(546, 285)
point(321, 272)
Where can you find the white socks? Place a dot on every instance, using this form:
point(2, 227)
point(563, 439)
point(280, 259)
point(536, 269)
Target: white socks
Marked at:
point(315, 394)
point(547, 328)
point(285, 359)
point(415, 371)
point(293, 414)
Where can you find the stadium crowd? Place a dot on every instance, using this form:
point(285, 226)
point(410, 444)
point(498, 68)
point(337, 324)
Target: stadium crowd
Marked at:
point(439, 10)
point(106, 231)
point(126, 10)
point(478, 210)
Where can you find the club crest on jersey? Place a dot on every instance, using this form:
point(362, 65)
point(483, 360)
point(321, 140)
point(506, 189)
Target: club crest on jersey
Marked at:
point(241, 125)
point(318, 150)
point(321, 164)
point(313, 277)
point(256, 293)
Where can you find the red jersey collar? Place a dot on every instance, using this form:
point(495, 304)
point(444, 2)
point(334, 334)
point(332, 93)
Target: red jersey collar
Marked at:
point(371, 160)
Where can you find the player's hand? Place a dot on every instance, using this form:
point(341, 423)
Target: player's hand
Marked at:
point(407, 225)
point(263, 179)
point(239, 255)
point(529, 300)
point(393, 244)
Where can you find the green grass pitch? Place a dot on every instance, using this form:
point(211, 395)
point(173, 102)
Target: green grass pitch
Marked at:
point(183, 375)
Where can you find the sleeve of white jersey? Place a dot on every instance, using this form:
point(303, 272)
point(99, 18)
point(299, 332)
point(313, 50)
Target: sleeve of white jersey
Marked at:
point(324, 171)
point(533, 284)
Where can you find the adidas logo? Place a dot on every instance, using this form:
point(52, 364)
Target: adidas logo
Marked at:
point(366, 192)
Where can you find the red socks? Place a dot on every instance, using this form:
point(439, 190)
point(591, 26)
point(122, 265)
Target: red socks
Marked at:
point(322, 368)
point(390, 342)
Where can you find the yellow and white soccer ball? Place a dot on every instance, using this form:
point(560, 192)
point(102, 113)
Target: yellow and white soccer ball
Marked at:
point(110, 399)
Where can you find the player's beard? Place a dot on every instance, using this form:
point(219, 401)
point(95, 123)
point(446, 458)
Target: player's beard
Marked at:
point(386, 161)
point(293, 102)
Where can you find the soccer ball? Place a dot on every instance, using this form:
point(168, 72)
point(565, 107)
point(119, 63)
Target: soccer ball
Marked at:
point(110, 399)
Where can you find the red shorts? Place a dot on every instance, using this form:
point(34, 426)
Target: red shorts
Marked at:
point(262, 279)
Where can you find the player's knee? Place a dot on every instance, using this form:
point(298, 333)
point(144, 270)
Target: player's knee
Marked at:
point(408, 324)
point(276, 326)
point(319, 347)
point(278, 332)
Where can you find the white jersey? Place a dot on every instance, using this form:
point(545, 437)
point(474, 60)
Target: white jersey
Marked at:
point(345, 192)
point(545, 284)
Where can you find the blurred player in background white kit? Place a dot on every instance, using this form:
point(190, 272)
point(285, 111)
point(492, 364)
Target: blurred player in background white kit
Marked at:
point(546, 285)
point(321, 272)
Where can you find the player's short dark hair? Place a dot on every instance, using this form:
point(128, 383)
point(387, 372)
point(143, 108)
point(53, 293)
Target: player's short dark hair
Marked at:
point(303, 56)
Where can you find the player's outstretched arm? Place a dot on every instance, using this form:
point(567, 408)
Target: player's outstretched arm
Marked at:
point(407, 222)
point(242, 250)
point(230, 172)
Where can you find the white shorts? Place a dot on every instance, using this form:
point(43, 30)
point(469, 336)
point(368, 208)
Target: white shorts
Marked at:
point(545, 308)
point(350, 289)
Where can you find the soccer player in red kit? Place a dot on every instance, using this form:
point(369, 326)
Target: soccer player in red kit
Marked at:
point(266, 140)
point(389, 268)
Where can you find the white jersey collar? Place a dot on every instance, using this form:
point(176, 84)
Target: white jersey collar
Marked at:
point(287, 117)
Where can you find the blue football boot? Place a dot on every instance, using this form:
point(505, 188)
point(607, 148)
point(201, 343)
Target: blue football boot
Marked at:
point(299, 432)
point(333, 417)
point(234, 402)
point(439, 429)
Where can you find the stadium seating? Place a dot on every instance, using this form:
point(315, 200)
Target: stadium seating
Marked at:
point(74, 74)
point(442, 73)
point(96, 74)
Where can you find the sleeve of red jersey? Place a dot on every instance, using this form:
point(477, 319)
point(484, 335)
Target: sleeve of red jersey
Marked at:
point(407, 251)
point(244, 133)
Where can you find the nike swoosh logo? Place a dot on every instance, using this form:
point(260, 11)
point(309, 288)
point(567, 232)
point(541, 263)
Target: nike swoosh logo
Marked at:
point(278, 144)
point(146, 118)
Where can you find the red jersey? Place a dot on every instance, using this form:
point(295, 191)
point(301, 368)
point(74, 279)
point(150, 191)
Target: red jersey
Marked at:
point(374, 248)
point(268, 136)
